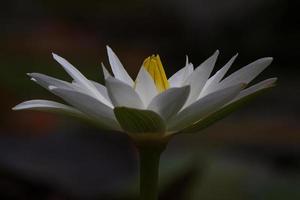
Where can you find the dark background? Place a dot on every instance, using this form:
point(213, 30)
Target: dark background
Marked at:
point(253, 154)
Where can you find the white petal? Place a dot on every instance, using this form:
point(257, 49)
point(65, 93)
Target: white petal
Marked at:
point(203, 107)
point(117, 68)
point(122, 94)
point(259, 86)
point(213, 81)
point(90, 106)
point(102, 89)
point(45, 105)
point(47, 81)
point(145, 86)
point(80, 79)
point(247, 73)
point(105, 71)
point(199, 77)
point(169, 102)
point(178, 79)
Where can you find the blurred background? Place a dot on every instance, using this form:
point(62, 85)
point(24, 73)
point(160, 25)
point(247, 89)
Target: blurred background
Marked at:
point(253, 154)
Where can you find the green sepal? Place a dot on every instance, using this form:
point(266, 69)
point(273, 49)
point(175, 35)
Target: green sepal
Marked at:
point(138, 121)
point(222, 113)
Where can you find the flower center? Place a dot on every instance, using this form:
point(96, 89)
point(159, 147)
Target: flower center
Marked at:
point(155, 68)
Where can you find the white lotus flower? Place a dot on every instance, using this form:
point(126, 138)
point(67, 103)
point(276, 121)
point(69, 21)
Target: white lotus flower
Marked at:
point(186, 102)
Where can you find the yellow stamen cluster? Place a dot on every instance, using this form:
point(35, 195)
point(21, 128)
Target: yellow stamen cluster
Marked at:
point(155, 68)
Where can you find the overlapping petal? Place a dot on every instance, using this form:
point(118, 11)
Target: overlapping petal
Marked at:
point(179, 78)
point(168, 103)
point(238, 102)
point(80, 79)
point(122, 94)
point(117, 67)
point(212, 83)
point(255, 88)
point(45, 81)
point(203, 107)
point(199, 77)
point(247, 73)
point(106, 73)
point(90, 106)
point(192, 102)
point(145, 86)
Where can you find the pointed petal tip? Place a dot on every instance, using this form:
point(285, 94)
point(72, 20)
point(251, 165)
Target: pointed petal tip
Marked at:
point(273, 81)
point(15, 108)
point(18, 107)
point(266, 59)
point(270, 59)
point(186, 59)
point(108, 48)
point(33, 79)
point(54, 55)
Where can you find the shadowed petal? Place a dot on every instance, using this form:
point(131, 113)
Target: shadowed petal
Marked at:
point(80, 79)
point(122, 94)
point(213, 81)
point(145, 86)
point(168, 103)
point(259, 86)
point(199, 77)
point(178, 79)
point(90, 106)
point(203, 107)
point(247, 73)
point(105, 71)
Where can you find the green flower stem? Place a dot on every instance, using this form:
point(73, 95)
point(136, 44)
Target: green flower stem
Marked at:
point(149, 152)
point(149, 173)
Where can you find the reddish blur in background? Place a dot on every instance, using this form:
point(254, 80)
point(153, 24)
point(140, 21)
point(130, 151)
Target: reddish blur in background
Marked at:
point(253, 154)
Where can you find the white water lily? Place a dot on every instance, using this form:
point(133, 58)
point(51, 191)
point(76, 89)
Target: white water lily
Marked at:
point(186, 102)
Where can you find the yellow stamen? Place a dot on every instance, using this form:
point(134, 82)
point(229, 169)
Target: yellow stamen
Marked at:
point(155, 68)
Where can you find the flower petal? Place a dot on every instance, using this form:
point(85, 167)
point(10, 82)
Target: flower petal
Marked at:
point(145, 86)
point(80, 79)
point(247, 73)
point(213, 81)
point(105, 71)
point(117, 68)
point(226, 110)
point(122, 94)
point(199, 77)
point(102, 89)
point(203, 107)
point(90, 106)
point(45, 105)
point(178, 79)
point(168, 103)
point(139, 121)
point(46, 81)
point(259, 86)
